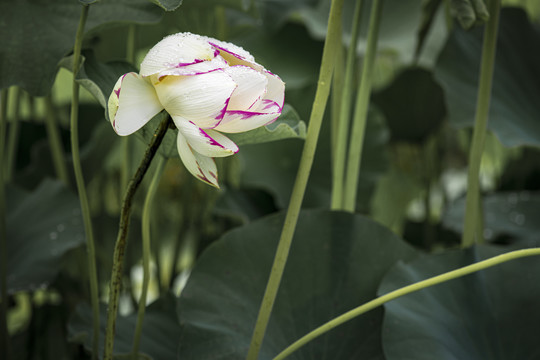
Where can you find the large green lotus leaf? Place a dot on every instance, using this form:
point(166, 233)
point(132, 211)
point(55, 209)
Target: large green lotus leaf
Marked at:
point(160, 332)
point(41, 227)
point(335, 263)
point(509, 215)
point(514, 108)
point(273, 166)
point(42, 32)
point(488, 315)
point(413, 105)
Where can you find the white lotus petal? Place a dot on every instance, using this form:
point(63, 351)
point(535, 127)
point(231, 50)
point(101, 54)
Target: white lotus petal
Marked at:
point(201, 99)
point(202, 167)
point(176, 51)
point(251, 87)
point(275, 89)
point(137, 104)
point(206, 142)
point(239, 121)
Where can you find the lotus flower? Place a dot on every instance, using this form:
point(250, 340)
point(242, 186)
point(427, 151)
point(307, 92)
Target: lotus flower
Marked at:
point(208, 87)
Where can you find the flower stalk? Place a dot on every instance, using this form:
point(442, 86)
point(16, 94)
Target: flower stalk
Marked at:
point(13, 137)
point(55, 143)
point(81, 188)
point(121, 241)
point(439, 279)
point(472, 202)
point(360, 115)
point(345, 113)
point(323, 89)
point(146, 252)
point(4, 334)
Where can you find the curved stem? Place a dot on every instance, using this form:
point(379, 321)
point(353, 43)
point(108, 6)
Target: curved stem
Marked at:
point(306, 161)
point(121, 240)
point(81, 188)
point(439, 279)
point(55, 143)
point(4, 334)
point(480, 125)
point(344, 114)
point(356, 141)
point(146, 252)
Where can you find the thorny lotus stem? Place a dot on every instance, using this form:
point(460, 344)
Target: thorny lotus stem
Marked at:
point(55, 143)
point(344, 114)
point(4, 334)
point(356, 141)
point(81, 188)
point(472, 202)
point(146, 252)
point(121, 240)
point(439, 279)
point(333, 39)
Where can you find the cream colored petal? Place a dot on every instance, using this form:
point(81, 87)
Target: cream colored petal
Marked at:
point(137, 104)
point(201, 99)
point(202, 167)
point(251, 86)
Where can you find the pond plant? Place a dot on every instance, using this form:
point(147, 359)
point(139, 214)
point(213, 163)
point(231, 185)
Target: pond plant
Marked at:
point(305, 179)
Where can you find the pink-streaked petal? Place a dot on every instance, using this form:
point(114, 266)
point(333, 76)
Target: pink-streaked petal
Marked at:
point(196, 69)
point(176, 51)
point(137, 104)
point(202, 167)
point(235, 55)
point(275, 90)
point(206, 142)
point(201, 99)
point(251, 87)
point(239, 121)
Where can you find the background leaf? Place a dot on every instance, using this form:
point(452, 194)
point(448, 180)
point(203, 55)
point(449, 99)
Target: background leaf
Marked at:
point(514, 108)
point(508, 217)
point(335, 263)
point(42, 32)
point(159, 335)
point(488, 315)
point(41, 227)
point(168, 5)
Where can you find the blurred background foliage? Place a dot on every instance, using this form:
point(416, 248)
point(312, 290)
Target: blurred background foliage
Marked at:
point(413, 179)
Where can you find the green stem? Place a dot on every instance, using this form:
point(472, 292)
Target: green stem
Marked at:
point(338, 79)
point(345, 114)
point(81, 188)
point(356, 141)
point(480, 124)
point(55, 143)
point(146, 252)
point(13, 138)
point(439, 279)
point(323, 89)
point(4, 334)
point(121, 240)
